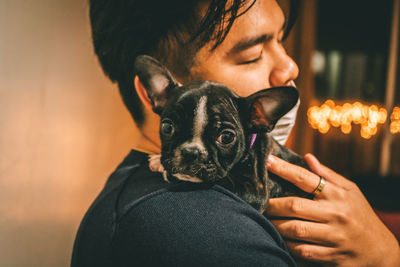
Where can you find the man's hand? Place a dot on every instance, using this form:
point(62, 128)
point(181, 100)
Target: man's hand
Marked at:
point(338, 227)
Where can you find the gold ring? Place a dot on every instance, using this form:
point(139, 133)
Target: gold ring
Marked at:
point(320, 186)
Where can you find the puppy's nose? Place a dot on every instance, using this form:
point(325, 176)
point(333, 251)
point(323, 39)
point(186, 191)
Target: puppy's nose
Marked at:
point(190, 153)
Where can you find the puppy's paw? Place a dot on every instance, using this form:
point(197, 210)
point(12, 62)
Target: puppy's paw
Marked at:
point(155, 163)
point(165, 176)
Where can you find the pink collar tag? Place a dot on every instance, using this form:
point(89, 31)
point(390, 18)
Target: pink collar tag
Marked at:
point(253, 139)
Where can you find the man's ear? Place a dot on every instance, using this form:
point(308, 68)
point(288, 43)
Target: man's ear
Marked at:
point(269, 105)
point(142, 93)
point(156, 80)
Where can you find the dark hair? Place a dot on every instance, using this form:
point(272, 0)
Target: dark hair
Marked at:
point(170, 30)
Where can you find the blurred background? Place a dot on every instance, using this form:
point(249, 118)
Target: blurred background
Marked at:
point(63, 127)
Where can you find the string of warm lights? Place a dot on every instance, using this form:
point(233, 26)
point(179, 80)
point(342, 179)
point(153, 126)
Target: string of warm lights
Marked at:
point(395, 121)
point(329, 114)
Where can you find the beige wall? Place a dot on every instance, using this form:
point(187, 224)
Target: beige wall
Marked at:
point(63, 129)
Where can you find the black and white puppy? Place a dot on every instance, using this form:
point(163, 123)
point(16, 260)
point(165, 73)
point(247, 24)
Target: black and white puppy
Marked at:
point(211, 135)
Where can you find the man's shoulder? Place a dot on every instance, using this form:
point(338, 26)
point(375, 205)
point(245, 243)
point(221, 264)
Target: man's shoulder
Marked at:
point(130, 182)
point(197, 225)
point(144, 220)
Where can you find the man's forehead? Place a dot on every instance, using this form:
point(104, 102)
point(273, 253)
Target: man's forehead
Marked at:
point(285, 6)
point(264, 17)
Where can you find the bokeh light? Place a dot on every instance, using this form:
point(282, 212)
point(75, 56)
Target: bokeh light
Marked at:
point(369, 117)
point(395, 121)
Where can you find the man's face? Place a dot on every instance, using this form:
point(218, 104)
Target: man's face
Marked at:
point(251, 57)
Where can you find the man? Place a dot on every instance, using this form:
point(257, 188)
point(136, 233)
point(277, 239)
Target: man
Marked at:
point(140, 220)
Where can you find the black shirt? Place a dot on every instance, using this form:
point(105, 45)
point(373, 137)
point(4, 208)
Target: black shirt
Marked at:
point(140, 220)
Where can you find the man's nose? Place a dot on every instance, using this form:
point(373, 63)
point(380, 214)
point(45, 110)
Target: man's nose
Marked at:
point(284, 70)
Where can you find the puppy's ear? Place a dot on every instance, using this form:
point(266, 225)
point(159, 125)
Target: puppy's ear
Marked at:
point(156, 79)
point(269, 105)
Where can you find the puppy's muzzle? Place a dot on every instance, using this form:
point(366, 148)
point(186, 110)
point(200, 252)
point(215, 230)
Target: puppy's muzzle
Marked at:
point(190, 154)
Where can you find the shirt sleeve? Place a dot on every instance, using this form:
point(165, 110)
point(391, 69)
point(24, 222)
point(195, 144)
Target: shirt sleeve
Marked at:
point(204, 227)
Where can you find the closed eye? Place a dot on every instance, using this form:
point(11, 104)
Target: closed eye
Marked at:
point(251, 61)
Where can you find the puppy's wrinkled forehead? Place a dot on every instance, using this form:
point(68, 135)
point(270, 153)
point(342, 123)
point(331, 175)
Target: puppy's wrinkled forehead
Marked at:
point(197, 102)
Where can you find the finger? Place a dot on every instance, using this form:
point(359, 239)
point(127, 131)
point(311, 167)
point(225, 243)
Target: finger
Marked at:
point(325, 172)
point(300, 177)
point(312, 252)
point(317, 233)
point(296, 207)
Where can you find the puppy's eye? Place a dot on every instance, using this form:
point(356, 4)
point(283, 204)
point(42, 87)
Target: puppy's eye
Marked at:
point(226, 137)
point(167, 128)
